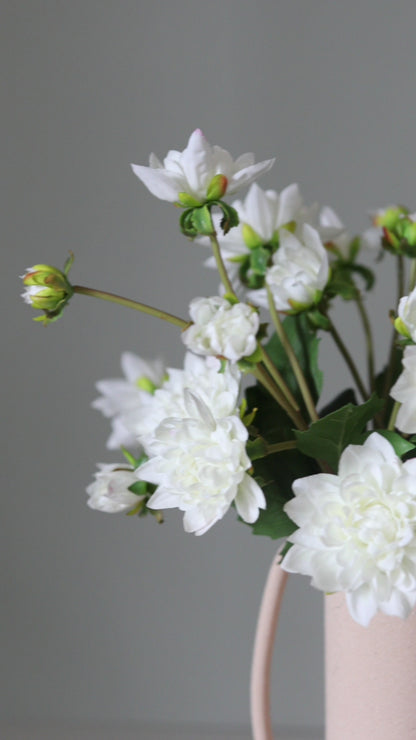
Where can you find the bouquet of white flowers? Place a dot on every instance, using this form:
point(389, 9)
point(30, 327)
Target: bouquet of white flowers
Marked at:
point(337, 484)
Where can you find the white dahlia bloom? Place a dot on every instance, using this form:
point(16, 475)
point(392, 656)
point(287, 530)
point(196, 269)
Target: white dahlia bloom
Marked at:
point(192, 170)
point(199, 466)
point(299, 272)
point(220, 328)
point(357, 530)
point(120, 397)
point(404, 391)
point(109, 491)
point(406, 322)
point(218, 388)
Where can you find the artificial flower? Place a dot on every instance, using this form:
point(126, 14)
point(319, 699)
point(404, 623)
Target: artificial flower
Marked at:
point(199, 465)
point(405, 322)
point(122, 396)
point(299, 272)
point(218, 386)
point(220, 328)
point(191, 171)
point(110, 490)
point(263, 216)
point(404, 391)
point(357, 530)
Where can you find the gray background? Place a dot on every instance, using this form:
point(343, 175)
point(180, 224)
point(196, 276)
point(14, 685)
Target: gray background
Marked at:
point(105, 616)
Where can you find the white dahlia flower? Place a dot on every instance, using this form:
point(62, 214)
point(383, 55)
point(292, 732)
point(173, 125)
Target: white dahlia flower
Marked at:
point(110, 490)
point(120, 397)
point(220, 328)
point(406, 321)
point(218, 388)
point(192, 170)
point(404, 391)
point(199, 466)
point(357, 530)
point(299, 272)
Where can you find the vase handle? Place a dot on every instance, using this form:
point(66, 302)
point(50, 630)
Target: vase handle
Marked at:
point(269, 612)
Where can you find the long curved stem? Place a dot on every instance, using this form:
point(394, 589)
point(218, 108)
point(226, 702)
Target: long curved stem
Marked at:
point(348, 359)
point(264, 378)
point(263, 651)
point(128, 303)
point(369, 340)
point(294, 362)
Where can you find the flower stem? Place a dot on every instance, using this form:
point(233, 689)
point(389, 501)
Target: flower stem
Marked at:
point(220, 264)
point(393, 416)
point(368, 339)
point(128, 303)
point(278, 378)
point(294, 362)
point(264, 378)
point(291, 444)
point(348, 359)
point(412, 278)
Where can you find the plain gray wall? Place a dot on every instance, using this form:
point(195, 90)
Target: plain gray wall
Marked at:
point(118, 618)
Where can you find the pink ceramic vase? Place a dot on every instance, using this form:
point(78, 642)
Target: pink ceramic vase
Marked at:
point(370, 671)
point(370, 675)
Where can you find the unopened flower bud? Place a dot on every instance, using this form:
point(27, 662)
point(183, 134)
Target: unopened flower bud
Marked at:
point(217, 187)
point(390, 217)
point(47, 289)
point(251, 238)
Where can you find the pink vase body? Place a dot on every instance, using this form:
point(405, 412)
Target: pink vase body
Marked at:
point(370, 675)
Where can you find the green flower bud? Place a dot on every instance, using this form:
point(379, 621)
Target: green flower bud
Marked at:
point(217, 187)
point(251, 238)
point(407, 229)
point(390, 217)
point(47, 289)
point(401, 328)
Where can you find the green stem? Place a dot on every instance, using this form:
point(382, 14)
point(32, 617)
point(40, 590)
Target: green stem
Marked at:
point(400, 277)
point(348, 359)
point(294, 362)
point(368, 340)
point(278, 378)
point(131, 304)
point(412, 278)
point(394, 352)
point(393, 416)
point(264, 378)
point(282, 446)
point(220, 264)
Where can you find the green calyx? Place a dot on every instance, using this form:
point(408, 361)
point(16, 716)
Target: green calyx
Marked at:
point(145, 384)
point(197, 220)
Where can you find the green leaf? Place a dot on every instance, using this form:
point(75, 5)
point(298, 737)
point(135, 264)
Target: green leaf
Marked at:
point(259, 260)
point(400, 445)
point(327, 438)
point(274, 473)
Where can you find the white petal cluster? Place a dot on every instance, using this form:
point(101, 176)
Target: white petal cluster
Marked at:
point(220, 328)
point(199, 465)
point(407, 314)
point(357, 530)
point(299, 272)
point(404, 391)
point(269, 214)
point(192, 170)
point(109, 491)
point(191, 431)
point(217, 387)
point(120, 396)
